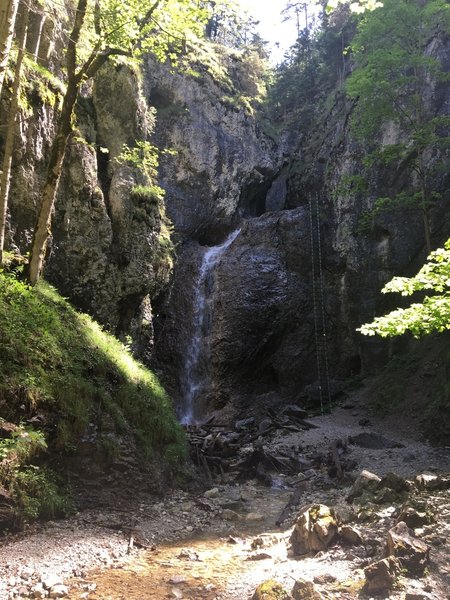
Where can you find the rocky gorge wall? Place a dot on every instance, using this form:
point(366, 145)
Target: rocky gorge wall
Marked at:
point(222, 173)
point(260, 339)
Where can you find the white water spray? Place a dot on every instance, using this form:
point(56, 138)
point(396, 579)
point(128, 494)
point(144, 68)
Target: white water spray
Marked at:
point(194, 378)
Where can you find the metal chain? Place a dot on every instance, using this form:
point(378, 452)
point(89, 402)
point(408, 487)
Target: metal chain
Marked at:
point(322, 302)
point(314, 295)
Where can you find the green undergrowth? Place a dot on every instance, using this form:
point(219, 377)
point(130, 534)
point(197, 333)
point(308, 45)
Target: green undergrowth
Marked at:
point(59, 373)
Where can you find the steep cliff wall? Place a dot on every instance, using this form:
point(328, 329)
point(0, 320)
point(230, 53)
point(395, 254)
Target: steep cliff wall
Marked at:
point(223, 163)
point(109, 251)
point(261, 346)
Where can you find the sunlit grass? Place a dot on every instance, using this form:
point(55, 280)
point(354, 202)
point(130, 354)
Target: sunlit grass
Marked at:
point(57, 361)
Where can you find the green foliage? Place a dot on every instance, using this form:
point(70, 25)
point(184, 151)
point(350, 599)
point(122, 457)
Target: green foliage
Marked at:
point(35, 491)
point(142, 156)
point(358, 7)
point(309, 73)
point(400, 202)
point(432, 314)
point(392, 67)
point(392, 114)
point(60, 364)
point(40, 494)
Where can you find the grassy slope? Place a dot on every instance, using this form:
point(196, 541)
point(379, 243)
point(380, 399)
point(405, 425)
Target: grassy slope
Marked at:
point(60, 371)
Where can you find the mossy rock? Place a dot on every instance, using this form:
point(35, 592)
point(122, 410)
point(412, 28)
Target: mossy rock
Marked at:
point(271, 590)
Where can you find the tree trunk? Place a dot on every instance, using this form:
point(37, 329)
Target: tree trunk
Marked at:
point(8, 13)
point(424, 202)
point(9, 142)
point(58, 150)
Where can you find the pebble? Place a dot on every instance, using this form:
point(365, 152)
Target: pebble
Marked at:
point(212, 493)
point(59, 591)
point(50, 581)
point(177, 579)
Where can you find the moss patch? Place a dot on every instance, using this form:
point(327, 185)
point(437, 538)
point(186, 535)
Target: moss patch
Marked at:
point(59, 372)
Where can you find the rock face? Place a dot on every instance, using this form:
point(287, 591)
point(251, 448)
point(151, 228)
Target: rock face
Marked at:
point(110, 252)
point(223, 164)
point(106, 251)
point(260, 339)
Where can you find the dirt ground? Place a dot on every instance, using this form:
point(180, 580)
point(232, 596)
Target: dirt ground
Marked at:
point(221, 545)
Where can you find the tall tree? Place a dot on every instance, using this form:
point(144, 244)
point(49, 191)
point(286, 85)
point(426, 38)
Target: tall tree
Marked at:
point(8, 13)
point(11, 123)
point(98, 33)
point(393, 69)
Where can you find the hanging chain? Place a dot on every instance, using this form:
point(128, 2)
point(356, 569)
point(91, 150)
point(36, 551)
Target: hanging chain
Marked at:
point(322, 303)
point(315, 309)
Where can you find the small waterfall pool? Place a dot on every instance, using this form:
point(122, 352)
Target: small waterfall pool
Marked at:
point(193, 377)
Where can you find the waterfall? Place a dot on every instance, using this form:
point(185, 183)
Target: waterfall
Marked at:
point(193, 375)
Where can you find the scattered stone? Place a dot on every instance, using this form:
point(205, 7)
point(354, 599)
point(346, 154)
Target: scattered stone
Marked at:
point(188, 554)
point(324, 579)
point(177, 579)
point(244, 424)
point(350, 536)
point(315, 529)
point(432, 482)
point(26, 573)
point(417, 596)
point(293, 410)
point(254, 517)
point(259, 556)
point(176, 593)
point(375, 441)
point(212, 493)
point(413, 518)
point(305, 590)
point(59, 591)
point(233, 540)
point(381, 575)
point(38, 591)
point(50, 581)
point(271, 590)
point(365, 482)
point(412, 554)
point(230, 515)
point(345, 513)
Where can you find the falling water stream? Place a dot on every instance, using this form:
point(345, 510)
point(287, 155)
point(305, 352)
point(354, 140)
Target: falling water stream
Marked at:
point(193, 374)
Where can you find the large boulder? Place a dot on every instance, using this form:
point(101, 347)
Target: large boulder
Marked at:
point(412, 554)
point(315, 529)
point(381, 575)
point(271, 590)
point(365, 483)
point(305, 590)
